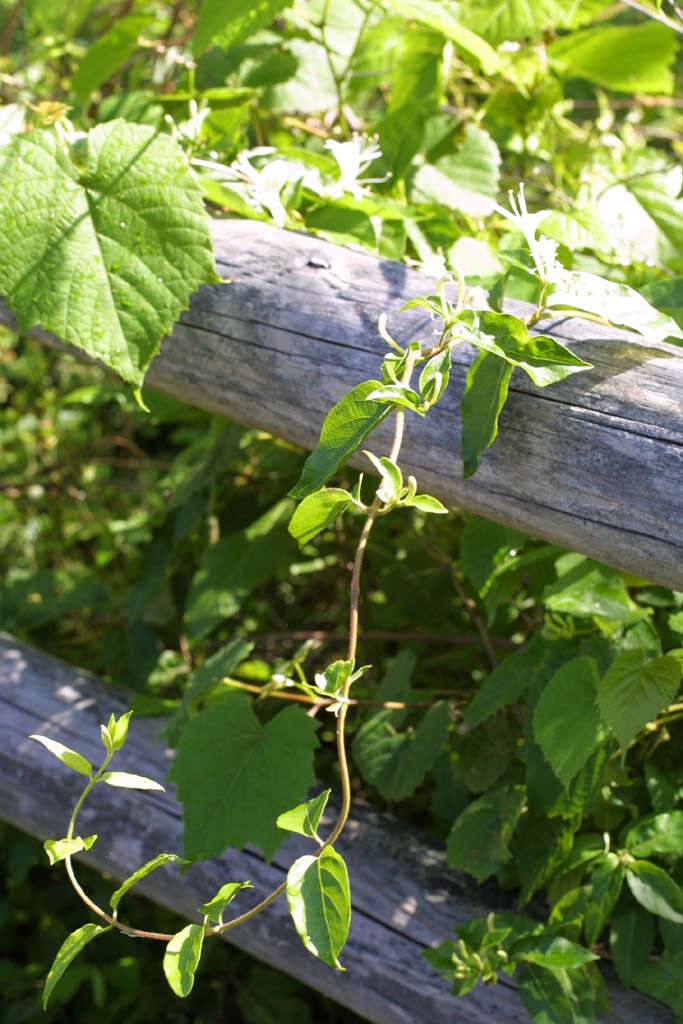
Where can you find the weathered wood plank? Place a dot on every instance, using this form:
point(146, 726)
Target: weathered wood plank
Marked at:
point(593, 463)
point(404, 897)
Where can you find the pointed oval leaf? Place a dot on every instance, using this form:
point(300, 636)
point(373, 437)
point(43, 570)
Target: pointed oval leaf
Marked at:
point(146, 869)
point(320, 904)
point(655, 890)
point(435, 376)
point(604, 891)
point(126, 780)
point(67, 952)
point(225, 895)
point(345, 428)
point(425, 503)
point(398, 394)
point(305, 818)
point(181, 958)
point(554, 951)
point(118, 729)
point(71, 758)
point(103, 243)
point(484, 396)
point(59, 849)
point(544, 359)
point(656, 833)
point(316, 512)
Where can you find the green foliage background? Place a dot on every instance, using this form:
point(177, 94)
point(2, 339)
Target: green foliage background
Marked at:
point(143, 544)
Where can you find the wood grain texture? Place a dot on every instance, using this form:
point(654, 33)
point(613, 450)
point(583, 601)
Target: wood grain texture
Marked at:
point(404, 897)
point(593, 463)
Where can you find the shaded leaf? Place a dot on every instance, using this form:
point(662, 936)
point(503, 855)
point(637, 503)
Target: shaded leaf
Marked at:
point(656, 833)
point(604, 890)
point(557, 996)
point(479, 839)
point(137, 876)
point(68, 951)
point(631, 937)
point(320, 904)
point(484, 396)
point(181, 958)
point(567, 723)
point(553, 951)
point(345, 428)
point(255, 770)
point(634, 690)
point(663, 980)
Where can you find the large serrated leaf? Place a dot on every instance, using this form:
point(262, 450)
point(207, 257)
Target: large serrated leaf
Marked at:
point(438, 17)
point(67, 952)
point(320, 904)
point(235, 776)
point(396, 763)
point(479, 839)
point(230, 24)
point(634, 691)
point(567, 723)
point(345, 428)
point(103, 244)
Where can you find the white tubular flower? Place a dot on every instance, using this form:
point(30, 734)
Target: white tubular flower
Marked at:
point(543, 249)
point(353, 158)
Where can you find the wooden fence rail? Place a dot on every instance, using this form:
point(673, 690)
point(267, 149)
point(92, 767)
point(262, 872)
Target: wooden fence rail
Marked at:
point(404, 897)
point(593, 463)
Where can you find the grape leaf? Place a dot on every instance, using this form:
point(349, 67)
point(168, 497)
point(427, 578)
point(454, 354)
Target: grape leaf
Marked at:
point(567, 723)
point(320, 904)
point(345, 428)
point(235, 776)
point(634, 690)
point(103, 244)
point(479, 839)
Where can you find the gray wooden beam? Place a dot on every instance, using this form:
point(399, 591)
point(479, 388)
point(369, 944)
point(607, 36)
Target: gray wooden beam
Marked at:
point(404, 896)
point(593, 463)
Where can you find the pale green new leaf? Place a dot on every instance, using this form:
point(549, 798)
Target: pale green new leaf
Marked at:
point(655, 890)
point(230, 24)
point(615, 302)
point(225, 895)
point(425, 503)
point(235, 776)
point(71, 758)
point(544, 359)
point(624, 58)
point(466, 180)
point(657, 833)
point(126, 780)
point(137, 876)
point(305, 818)
point(316, 512)
point(104, 244)
point(320, 904)
point(396, 763)
point(634, 691)
point(437, 16)
point(181, 958)
point(345, 428)
point(479, 839)
point(397, 394)
point(435, 376)
point(59, 849)
point(567, 723)
point(108, 53)
point(68, 951)
point(480, 406)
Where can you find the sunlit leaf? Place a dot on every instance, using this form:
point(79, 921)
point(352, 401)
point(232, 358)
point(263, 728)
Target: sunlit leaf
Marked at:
point(225, 895)
point(305, 818)
point(181, 958)
point(59, 849)
point(655, 890)
point(316, 512)
point(126, 780)
point(71, 758)
point(68, 951)
point(137, 876)
point(320, 904)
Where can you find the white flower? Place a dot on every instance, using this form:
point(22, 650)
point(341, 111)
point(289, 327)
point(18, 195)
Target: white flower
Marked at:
point(353, 158)
point(543, 249)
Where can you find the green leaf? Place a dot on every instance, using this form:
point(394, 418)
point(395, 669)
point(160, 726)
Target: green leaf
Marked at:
point(316, 512)
point(68, 951)
point(215, 908)
point(586, 589)
point(553, 951)
point(634, 690)
point(71, 758)
point(391, 477)
point(465, 180)
point(181, 958)
point(624, 58)
point(557, 996)
point(479, 839)
point(396, 763)
point(397, 394)
point(203, 679)
point(615, 302)
point(436, 16)
point(108, 53)
point(230, 24)
point(126, 780)
point(320, 904)
point(146, 869)
point(104, 245)
point(425, 503)
point(118, 730)
point(333, 680)
point(516, 19)
point(545, 360)
point(485, 393)
point(305, 818)
point(631, 937)
point(663, 980)
point(507, 683)
point(435, 376)
point(656, 833)
point(231, 568)
point(604, 890)
point(345, 428)
point(567, 723)
point(255, 770)
point(655, 890)
point(667, 297)
point(59, 849)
